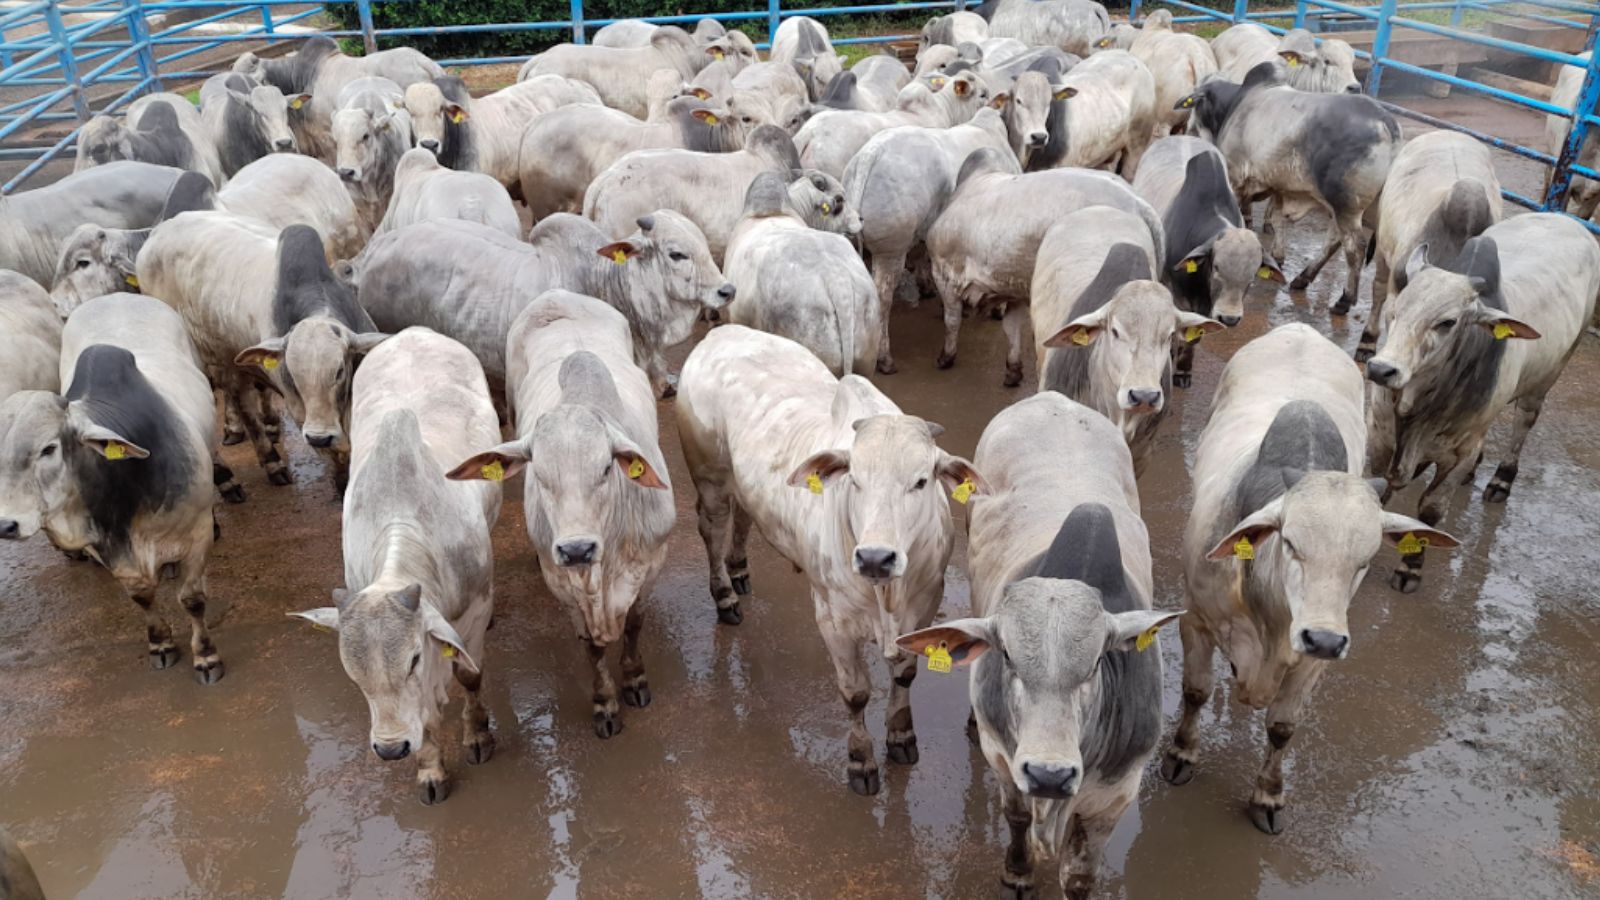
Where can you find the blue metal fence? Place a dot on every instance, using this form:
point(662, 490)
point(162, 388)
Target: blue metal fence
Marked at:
point(62, 61)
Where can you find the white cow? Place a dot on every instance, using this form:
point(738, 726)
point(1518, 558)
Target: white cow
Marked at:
point(621, 74)
point(424, 189)
point(484, 135)
point(803, 42)
point(1178, 62)
point(30, 337)
point(164, 129)
point(1110, 115)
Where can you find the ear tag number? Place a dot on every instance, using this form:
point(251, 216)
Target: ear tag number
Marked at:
point(1244, 549)
point(1193, 333)
point(938, 658)
point(1145, 639)
point(1502, 331)
point(814, 482)
point(636, 468)
point(115, 450)
point(1410, 545)
point(963, 491)
point(493, 471)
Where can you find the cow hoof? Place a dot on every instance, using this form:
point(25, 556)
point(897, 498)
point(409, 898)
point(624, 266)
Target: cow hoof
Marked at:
point(1016, 890)
point(886, 367)
point(164, 657)
point(972, 730)
point(1269, 820)
point(234, 494)
point(741, 585)
point(209, 670)
point(730, 615)
point(1365, 352)
point(1300, 283)
point(637, 695)
point(904, 753)
point(1013, 376)
point(1343, 306)
point(480, 749)
point(229, 438)
point(945, 360)
point(433, 790)
point(1496, 492)
point(280, 478)
point(865, 783)
point(607, 725)
point(1405, 581)
point(75, 555)
point(1182, 379)
point(1176, 770)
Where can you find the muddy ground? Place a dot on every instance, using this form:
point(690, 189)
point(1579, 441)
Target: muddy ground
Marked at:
point(1453, 755)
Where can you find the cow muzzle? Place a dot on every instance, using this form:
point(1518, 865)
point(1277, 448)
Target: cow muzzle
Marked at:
point(430, 145)
point(879, 564)
point(1051, 781)
point(577, 551)
point(321, 440)
point(1146, 400)
point(1321, 643)
point(284, 145)
point(1385, 375)
point(348, 174)
point(10, 530)
point(391, 751)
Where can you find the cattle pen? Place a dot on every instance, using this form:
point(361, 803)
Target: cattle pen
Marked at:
point(61, 63)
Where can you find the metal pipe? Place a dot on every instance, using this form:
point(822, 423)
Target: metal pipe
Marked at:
point(139, 34)
point(577, 22)
point(69, 66)
point(1561, 179)
point(364, 16)
point(774, 8)
point(1380, 48)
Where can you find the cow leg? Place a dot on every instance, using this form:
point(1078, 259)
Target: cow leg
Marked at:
point(1430, 510)
point(738, 558)
point(952, 329)
point(1183, 365)
point(855, 688)
point(1177, 766)
point(886, 272)
point(714, 507)
point(1016, 879)
point(1527, 414)
point(1382, 284)
point(251, 410)
point(476, 738)
point(900, 738)
point(1016, 315)
point(1266, 804)
point(271, 418)
point(606, 722)
point(433, 785)
point(1354, 241)
point(661, 377)
point(163, 652)
point(222, 476)
point(232, 421)
point(208, 668)
point(1310, 273)
point(1086, 844)
point(1275, 228)
point(635, 687)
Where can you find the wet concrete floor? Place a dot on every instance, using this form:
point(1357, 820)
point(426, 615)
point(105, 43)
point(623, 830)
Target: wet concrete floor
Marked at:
point(1453, 755)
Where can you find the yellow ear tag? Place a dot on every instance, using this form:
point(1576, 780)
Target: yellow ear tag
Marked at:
point(1191, 266)
point(1502, 331)
point(493, 471)
point(1059, 95)
point(716, 55)
point(938, 658)
point(457, 117)
point(269, 363)
point(636, 468)
point(115, 450)
point(448, 651)
point(619, 257)
point(711, 119)
point(131, 280)
point(1264, 272)
point(1145, 639)
point(1410, 545)
point(814, 482)
point(1293, 61)
point(826, 207)
point(322, 628)
point(1244, 549)
point(296, 103)
point(1193, 333)
point(936, 82)
point(963, 491)
point(1081, 338)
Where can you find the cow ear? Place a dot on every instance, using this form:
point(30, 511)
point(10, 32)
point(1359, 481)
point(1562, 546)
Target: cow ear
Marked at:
point(960, 477)
point(1291, 59)
point(1189, 102)
point(449, 642)
point(630, 459)
point(1269, 270)
point(324, 618)
point(1080, 332)
point(103, 440)
point(1242, 541)
point(1064, 93)
point(1194, 259)
point(815, 472)
point(1503, 326)
point(1192, 326)
point(964, 639)
point(1397, 529)
point(619, 252)
point(296, 101)
point(697, 92)
point(456, 113)
point(367, 341)
point(266, 355)
point(707, 116)
point(1000, 100)
point(1136, 628)
point(496, 464)
point(1416, 262)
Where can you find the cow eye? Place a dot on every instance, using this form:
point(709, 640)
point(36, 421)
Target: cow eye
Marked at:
point(745, 119)
point(677, 256)
point(339, 375)
point(365, 138)
point(48, 451)
point(921, 483)
point(83, 264)
point(415, 659)
point(1116, 334)
point(1289, 546)
point(1445, 325)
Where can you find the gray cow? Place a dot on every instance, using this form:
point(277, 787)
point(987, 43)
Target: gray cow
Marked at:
point(30, 337)
point(953, 29)
point(800, 283)
point(1303, 151)
point(265, 311)
point(371, 130)
point(1324, 66)
point(1072, 25)
point(1211, 259)
point(1494, 326)
point(1068, 710)
point(34, 225)
point(163, 129)
point(1103, 327)
point(1280, 536)
point(580, 406)
point(484, 135)
point(424, 189)
point(121, 464)
point(872, 84)
point(983, 247)
point(899, 184)
point(247, 121)
point(621, 75)
point(418, 565)
point(637, 33)
point(830, 139)
point(470, 282)
point(803, 42)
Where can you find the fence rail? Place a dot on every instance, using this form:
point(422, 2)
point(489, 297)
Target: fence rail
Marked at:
point(62, 61)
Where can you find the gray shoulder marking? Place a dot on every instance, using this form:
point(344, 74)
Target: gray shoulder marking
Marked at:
point(1302, 438)
point(1066, 369)
point(841, 93)
point(457, 150)
point(585, 380)
point(190, 192)
point(306, 287)
point(1337, 139)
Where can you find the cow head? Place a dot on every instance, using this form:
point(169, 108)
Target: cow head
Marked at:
point(669, 256)
point(732, 48)
point(431, 113)
point(1052, 636)
point(272, 106)
point(1325, 69)
point(317, 359)
point(1316, 541)
point(358, 137)
point(94, 262)
point(104, 140)
point(401, 653)
point(819, 199)
point(1027, 114)
point(1444, 317)
point(1230, 262)
point(888, 485)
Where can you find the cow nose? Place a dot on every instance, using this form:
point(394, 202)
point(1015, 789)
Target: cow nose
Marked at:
point(579, 552)
point(875, 562)
point(9, 529)
point(320, 441)
point(1037, 139)
point(284, 145)
point(393, 751)
point(1353, 89)
point(1324, 644)
point(1145, 398)
point(430, 145)
point(725, 293)
point(1380, 372)
point(1049, 780)
point(1230, 321)
point(347, 174)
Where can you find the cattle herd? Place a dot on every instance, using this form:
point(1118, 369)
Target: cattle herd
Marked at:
point(338, 238)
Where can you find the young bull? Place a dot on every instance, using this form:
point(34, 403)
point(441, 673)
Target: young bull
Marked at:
point(263, 308)
point(1303, 151)
point(470, 282)
point(1494, 326)
point(1212, 259)
point(370, 130)
point(1441, 192)
point(483, 135)
point(1072, 25)
point(1068, 710)
point(30, 337)
point(1109, 115)
point(418, 565)
point(1280, 536)
point(830, 139)
point(34, 225)
point(424, 189)
point(121, 465)
point(620, 75)
point(994, 207)
point(1178, 62)
point(1318, 67)
point(581, 407)
point(803, 42)
point(1103, 328)
point(637, 33)
point(247, 121)
point(844, 486)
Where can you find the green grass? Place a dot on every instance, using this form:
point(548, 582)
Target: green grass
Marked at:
point(193, 96)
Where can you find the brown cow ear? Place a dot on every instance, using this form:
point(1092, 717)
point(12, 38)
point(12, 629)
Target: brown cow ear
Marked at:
point(816, 471)
point(619, 252)
point(964, 639)
point(638, 469)
point(497, 464)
